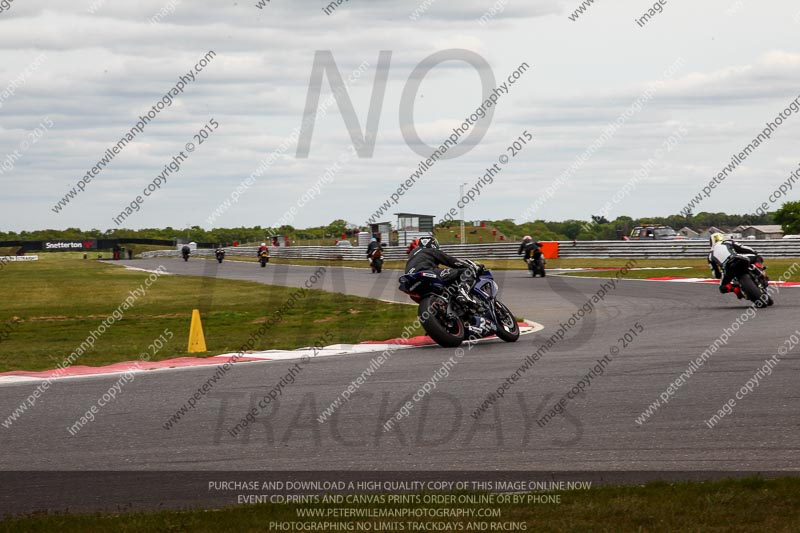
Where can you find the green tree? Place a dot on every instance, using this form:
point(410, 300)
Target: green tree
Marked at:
point(788, 216)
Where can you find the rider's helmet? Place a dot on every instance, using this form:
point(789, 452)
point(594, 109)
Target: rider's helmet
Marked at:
point(527, 238)
point(428, 242)
point(263, 244)
point(716, 238)
point(373, 239)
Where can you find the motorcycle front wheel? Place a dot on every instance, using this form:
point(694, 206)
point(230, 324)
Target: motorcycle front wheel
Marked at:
point(447, 331)
point(507, 327)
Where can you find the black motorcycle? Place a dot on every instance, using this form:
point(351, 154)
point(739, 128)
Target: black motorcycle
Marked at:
point(220, 254)
point(451, 314)
point(185, 252)
point(376, 261)
point(536, 265)
point(748, 274)
point(263, 257)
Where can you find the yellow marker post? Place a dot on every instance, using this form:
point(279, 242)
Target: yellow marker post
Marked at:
point(197, 341)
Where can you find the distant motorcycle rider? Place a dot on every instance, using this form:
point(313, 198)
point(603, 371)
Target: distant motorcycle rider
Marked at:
point(374, 244)
point(261, 249)
point(722, 250)
point(413, 244)
point(530, 248)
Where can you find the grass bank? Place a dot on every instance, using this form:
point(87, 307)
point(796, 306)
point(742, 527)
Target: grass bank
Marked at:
point(51, 305)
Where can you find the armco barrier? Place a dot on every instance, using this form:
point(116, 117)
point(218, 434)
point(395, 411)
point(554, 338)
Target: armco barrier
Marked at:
point(566, 249)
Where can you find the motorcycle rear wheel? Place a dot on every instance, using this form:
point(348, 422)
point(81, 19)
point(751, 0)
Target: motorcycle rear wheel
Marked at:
point(751, 291)
point(447, 336)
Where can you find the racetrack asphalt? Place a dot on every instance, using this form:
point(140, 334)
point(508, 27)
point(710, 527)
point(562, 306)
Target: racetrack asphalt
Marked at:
point(597, 432)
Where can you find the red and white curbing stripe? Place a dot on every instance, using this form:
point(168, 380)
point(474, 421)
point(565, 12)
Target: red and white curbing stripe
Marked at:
point(711, 280)
point(613, 269)
point(21, 376)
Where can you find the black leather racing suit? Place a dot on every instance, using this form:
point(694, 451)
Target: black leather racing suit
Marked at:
point(430, 259)
point(530, 250)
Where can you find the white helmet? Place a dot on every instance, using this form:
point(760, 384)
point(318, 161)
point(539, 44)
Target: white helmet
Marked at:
point(716, 238)
point(263, 244)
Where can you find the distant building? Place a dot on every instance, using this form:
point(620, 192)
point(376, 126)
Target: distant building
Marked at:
point(382, 229)
point(706, 233)
point(760, 232)
point(412, 226)
point(688, 232)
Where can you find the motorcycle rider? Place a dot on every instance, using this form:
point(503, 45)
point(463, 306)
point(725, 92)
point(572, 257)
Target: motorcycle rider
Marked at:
point(261, 249)
point(428, 256)
point(185, 251)
point(373, 245)
point(413, 244)
point(530, 249)
point(722, 250)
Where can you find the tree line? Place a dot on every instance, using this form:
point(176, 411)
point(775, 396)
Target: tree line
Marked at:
point(598, 228)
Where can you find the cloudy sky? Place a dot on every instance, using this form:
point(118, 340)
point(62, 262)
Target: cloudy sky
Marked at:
point(75, 76)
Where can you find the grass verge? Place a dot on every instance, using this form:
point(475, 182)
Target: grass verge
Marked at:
point(51, 305)
point(744, 505)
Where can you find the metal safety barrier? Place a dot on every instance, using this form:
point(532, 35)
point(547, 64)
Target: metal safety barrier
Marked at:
point(566, 249)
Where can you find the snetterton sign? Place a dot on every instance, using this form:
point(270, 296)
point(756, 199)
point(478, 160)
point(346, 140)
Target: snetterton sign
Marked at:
point(70, 245)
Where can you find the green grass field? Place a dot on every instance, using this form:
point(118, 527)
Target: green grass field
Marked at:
point(51, 305)
point(748, 505)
